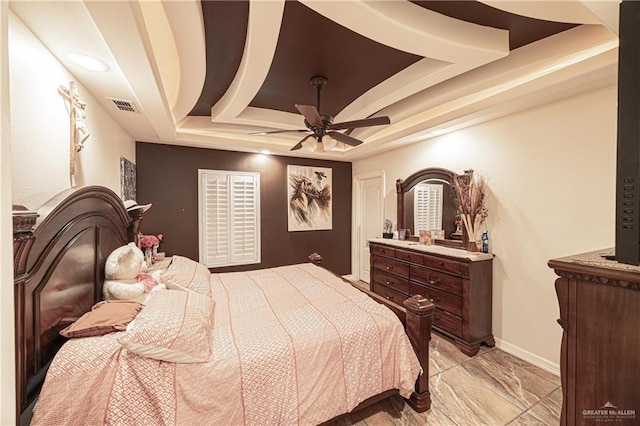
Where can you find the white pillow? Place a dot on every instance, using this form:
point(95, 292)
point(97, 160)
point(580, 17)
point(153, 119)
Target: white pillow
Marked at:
point(187, 274)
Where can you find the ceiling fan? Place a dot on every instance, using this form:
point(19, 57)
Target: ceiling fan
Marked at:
point(321, 125)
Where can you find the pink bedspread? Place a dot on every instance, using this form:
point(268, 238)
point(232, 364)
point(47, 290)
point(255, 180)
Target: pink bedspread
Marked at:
point(291, 345)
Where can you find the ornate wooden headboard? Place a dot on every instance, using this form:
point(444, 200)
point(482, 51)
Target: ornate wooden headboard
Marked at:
point(59, 257)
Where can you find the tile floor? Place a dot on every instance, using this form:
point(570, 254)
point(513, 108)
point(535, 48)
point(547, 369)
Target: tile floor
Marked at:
point(492, 388)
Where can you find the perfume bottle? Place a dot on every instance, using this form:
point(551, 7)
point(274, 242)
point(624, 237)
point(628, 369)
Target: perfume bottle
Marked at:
point(485, 241)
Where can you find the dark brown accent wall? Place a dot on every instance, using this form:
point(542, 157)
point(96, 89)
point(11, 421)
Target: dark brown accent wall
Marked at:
point(167, 176)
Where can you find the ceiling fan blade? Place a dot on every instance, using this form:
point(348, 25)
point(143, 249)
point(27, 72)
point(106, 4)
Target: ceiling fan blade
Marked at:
point(375, 121)
point(345, 138)
point(299, 144)
point(278, 131)
point(310, 114)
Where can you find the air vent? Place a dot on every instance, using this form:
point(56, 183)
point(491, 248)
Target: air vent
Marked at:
point(122, 105)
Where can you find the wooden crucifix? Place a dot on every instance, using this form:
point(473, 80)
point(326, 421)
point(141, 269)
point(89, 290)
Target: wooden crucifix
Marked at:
point(78, 116)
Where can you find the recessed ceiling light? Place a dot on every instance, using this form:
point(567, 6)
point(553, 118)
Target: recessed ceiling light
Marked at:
point(88, 62)
point(265, 152)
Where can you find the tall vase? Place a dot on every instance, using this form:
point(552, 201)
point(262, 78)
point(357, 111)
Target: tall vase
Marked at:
point(470, 242)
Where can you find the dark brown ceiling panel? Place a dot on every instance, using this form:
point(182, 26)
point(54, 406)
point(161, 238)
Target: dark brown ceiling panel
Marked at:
point(310, 45)
point(522, 30)
point(225, 27)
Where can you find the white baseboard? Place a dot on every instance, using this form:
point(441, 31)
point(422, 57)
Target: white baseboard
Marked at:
point(349, 277)
point(531, 358)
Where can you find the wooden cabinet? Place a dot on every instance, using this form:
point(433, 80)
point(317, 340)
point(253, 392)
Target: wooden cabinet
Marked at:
point(457, 282)
point(600, 351)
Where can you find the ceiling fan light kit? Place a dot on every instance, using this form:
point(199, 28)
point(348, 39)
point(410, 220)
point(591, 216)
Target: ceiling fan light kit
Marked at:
point(322, 127)
point(329, 143)
point(309, 145)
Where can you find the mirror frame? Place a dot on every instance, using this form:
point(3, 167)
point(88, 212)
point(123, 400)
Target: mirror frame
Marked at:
point(405, 185)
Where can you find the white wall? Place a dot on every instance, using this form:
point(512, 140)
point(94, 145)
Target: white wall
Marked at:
point(7, 368)
point(40, 126)
point(551, 176)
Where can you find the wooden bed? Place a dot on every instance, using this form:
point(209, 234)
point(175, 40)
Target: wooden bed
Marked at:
point(59, 257)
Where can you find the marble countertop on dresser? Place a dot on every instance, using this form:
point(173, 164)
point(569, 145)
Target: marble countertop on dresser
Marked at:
point(599, 267)
point(445, 251)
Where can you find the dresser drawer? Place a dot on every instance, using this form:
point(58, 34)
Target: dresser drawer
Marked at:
point(447, 322)
point(446, 265)
point(435, 279)
point(396, 267)
point(389, 293)
point(410, 256)
point(382, 250)
point(393, 281)
point(444, 301)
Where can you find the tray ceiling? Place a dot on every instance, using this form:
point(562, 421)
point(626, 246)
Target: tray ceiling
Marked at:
point(210, 73)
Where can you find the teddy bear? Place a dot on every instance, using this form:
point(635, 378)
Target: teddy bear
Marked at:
point(124, 277)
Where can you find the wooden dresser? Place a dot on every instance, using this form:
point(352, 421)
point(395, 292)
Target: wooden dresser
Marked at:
point(459, 284)
point(600, 352)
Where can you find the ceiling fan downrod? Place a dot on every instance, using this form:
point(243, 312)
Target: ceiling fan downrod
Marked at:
point(318, 82)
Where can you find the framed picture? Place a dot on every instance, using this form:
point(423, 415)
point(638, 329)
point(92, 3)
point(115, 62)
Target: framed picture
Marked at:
point(127, 179)
point(402, 234)
point(425, 237)
point(309, 201)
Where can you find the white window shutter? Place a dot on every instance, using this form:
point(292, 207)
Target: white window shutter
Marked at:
point(229, 206)
point(245, 223)
point(427, 205)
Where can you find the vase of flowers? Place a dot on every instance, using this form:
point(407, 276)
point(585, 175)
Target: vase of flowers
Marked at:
point(149, 244)
point(470, 192)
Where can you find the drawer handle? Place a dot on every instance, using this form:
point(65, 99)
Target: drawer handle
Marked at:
point(389, 267)
point(434, 300)
point(434, 282)
point(436, 318)
point(441, 263)
point(389, 297)
point(387, 282)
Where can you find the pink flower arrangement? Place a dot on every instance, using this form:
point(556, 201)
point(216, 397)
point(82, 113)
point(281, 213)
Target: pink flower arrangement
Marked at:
point(147, 241)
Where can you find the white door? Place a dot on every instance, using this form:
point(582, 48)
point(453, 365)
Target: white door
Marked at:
point(368, 220)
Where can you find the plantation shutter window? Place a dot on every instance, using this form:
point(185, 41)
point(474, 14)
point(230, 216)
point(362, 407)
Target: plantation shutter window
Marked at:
point(427, 206)
point(229, 218)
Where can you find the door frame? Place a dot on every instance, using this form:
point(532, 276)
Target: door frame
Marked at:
point(357, 214)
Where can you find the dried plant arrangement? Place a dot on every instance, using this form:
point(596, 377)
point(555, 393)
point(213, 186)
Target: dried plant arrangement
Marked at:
point(470, 191)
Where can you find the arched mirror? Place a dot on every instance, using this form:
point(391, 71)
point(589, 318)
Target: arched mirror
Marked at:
point(426, 201)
